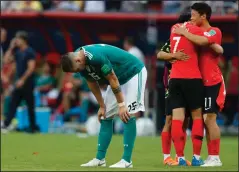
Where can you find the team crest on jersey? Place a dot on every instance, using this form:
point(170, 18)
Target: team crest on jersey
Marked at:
point(212, 32)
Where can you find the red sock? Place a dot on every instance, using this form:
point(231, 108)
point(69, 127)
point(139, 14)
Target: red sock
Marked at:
point(197, 136)
point(214, 147)
point(185, 139)
point(166, 142)
point(178, 137)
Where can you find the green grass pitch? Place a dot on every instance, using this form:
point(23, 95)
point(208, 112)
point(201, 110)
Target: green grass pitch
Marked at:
point(67, 152)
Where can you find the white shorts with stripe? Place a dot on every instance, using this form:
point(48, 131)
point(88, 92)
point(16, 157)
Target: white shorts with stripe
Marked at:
point(133, 92)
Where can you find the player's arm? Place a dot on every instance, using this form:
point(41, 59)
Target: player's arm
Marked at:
point(108, 73)
point(195, 35)
point(217, 48)
point(95, 89)
point(202, 41)
point(115, 86)
point(164, 53)
point(196, 38)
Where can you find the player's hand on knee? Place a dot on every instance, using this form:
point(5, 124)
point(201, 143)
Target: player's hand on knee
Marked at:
point(101, 113)
point(124, 114)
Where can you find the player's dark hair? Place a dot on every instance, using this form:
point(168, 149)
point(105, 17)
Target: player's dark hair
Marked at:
point(202, 8)
point(23, 35)
point(66, 62)
point(129, 40)
point(184, 17)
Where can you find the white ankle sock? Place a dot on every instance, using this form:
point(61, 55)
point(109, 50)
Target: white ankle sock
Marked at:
point(196, 156)
point(214, 156)
point(181, 157)
point(165, 156)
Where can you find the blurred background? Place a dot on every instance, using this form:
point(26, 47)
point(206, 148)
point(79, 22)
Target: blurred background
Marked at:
point(63, 103)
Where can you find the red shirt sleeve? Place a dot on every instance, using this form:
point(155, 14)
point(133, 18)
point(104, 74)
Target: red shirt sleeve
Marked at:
point(214, 35)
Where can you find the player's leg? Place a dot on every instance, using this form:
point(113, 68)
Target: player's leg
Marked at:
point(185, 126)
point(106, 130)
point(134, 99)
point(214, 101)
point(178, 106)
point(194, 103)
point(166, 138)
point(197, 136)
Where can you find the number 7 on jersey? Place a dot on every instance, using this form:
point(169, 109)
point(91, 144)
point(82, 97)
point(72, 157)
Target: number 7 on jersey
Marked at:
point(177, 39)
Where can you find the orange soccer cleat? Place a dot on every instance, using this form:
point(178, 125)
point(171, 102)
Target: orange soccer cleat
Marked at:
point(170, 161)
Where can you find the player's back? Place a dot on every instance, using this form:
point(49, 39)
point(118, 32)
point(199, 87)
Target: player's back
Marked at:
point(185, 69)
point(124, 64)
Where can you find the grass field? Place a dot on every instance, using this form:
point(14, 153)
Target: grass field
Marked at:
point(66, 152)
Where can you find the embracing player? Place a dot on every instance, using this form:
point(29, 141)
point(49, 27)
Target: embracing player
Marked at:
point(164, 54)
point(126, 77)
point(214, 88)
point(185, 79)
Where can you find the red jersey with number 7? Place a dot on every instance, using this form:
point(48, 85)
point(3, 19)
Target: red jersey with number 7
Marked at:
point(208, 61)
point(186, 69)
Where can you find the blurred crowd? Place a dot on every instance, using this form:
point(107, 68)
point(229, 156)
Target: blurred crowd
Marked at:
point(66, 94)
point(169, 7)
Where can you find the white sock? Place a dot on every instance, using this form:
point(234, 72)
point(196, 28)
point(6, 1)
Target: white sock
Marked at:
point(181, 157)
point(196, 156)
point(165, 156)
point(214, 156)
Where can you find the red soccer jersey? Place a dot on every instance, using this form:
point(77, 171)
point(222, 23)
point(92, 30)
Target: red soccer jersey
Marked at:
point(185, 69)
point(208, 61)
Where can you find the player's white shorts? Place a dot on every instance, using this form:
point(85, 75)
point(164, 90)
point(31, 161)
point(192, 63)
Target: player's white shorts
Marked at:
point(133, 92)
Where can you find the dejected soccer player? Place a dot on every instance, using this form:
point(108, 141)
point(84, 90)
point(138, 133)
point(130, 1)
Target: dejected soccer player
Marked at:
point(126, 76)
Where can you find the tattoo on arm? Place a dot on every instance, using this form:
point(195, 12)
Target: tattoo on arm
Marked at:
point(116, 90)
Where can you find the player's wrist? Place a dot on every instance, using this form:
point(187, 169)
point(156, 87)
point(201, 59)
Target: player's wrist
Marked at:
point(102, 106)
point(121, 104)
point(173, 56)
point(185, 33)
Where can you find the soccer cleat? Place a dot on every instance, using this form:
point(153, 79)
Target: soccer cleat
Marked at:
point(95, 163)
point(212, 162)
point(4, 129)
point(170, 161)
point(182, 162)
point(187, 161)
point(122, 164)
point(205, 161)
point(197, 162)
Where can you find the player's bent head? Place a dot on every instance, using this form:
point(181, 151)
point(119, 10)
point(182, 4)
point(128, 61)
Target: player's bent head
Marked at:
point(67, 62)
point(203, 9)
point(184, 17)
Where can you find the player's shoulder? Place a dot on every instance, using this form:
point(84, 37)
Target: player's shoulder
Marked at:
point(176, 25)
point(214, 31)
point(192, 26)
